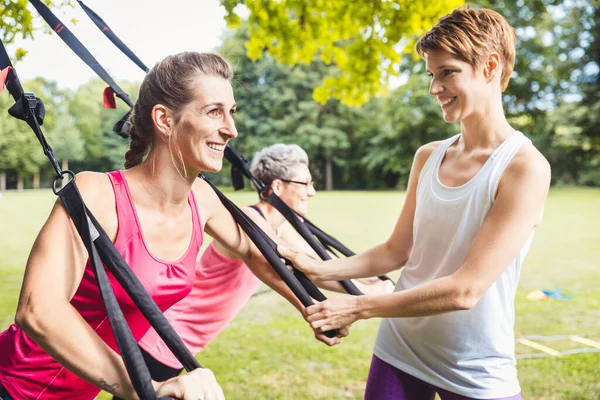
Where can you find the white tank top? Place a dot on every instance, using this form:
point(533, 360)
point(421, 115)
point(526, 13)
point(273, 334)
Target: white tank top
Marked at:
point(470, 352)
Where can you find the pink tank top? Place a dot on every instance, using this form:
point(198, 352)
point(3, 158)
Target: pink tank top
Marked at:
point(221, 288)
point(27, 372)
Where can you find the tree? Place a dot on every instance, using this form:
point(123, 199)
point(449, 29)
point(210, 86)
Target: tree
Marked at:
point(365, 39)
point(16, 20)
point(19, 147)
point(66, 141)
point(104, 150)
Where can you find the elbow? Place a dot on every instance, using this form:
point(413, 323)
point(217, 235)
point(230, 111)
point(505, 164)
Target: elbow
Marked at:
point(30, 317)
point(467, 297)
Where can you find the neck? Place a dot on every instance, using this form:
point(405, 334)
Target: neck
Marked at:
point(273, 217)
point(485, 128)
point(158, 178)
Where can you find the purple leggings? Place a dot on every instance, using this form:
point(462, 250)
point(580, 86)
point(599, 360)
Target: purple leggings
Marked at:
point(388, 383)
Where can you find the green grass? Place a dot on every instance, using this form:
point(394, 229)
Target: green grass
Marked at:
point(268, 351)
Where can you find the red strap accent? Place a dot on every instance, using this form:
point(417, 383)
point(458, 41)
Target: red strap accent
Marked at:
point(109, 98)
point(3, 77)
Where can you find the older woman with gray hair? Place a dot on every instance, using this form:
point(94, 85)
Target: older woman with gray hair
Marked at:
point(223, 283)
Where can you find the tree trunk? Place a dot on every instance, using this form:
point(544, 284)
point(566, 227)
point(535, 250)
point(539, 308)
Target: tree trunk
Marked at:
point(2, 181)
point(20, 185)
point(328, 170)
point(36, 179)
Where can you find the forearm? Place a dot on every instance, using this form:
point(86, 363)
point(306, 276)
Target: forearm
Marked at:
point(435, 297)
point(267, 274)
point(79, 349)
point(377, 261)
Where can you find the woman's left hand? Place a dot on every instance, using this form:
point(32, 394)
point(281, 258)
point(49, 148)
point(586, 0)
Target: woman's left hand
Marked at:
point(334, 313)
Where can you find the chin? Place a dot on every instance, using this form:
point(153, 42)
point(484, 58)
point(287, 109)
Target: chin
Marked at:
point(213, 166)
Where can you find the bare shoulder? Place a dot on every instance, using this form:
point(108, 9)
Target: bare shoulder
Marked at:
point(96, 190)
point(422, 155)
point(528, 166)
point(423, 152)
point(98, 194)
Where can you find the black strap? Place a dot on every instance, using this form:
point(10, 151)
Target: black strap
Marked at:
point(329, 241)
point(101, 249)
point(299, 284)
point(69, 38)
point(103, 26)
point(303, 230)
point(254, 206)
point(302, 225)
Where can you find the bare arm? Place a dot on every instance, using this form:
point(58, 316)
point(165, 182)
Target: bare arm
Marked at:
point(381, 259)
point(516, 211)
point(223, 228)
point(54, 270)
point(293, 239)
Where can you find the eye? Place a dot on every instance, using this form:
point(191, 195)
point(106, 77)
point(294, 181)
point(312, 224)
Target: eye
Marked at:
point(448, 72)
point(430, 75)
point(233, 111)
point(215, 112)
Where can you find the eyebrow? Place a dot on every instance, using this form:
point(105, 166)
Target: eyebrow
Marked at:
point(218, 104)
point(444, 67)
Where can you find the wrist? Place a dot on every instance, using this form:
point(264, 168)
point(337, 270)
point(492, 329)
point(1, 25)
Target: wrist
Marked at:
point(364, 307)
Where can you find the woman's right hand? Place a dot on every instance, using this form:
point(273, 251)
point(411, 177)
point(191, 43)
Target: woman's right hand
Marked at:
point(199, 384)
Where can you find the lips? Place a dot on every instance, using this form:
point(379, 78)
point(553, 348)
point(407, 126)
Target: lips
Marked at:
point(447, 102)
point(216, 146)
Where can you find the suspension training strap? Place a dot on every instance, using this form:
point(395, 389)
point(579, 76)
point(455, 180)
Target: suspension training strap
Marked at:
point(103, 26)
point(78, 48)
point(298, 283)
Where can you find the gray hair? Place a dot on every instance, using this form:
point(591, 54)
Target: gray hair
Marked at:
point(277, 161)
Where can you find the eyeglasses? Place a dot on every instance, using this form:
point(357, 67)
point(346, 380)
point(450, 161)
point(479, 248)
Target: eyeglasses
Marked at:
point(307, 184)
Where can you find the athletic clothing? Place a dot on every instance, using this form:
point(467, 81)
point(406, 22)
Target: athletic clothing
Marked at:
point(221, 288)
point(471, 352)
point(27, 372)
point(388, 383)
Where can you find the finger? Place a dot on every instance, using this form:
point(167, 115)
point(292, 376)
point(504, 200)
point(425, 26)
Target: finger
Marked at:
point(319, 325)
point(314, 309)
point(285, 251)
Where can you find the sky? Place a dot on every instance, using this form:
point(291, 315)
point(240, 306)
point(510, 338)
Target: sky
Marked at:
point(151, 29)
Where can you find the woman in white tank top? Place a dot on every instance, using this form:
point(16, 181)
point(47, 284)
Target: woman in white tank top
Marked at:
point(472, 204)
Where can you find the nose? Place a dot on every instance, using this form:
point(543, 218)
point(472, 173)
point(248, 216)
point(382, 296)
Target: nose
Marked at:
point(229, 129)
point(435, 88)
point(310, 190)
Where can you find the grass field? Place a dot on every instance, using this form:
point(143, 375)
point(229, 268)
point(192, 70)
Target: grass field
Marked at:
point(268, 351)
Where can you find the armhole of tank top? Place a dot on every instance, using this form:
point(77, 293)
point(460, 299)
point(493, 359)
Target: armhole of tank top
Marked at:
point(498, 175)
point(430, 163)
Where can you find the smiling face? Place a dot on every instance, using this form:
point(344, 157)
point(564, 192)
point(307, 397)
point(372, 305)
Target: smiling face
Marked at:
point(296, 194)
point(206, 125)
point(460, 89)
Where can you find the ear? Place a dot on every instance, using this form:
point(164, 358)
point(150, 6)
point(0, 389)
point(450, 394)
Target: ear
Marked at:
point(492, 67)
point(277, 186)
point(163, 120)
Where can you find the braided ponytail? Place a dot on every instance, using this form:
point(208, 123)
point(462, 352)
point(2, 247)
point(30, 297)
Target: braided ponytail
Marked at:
point(139, 146)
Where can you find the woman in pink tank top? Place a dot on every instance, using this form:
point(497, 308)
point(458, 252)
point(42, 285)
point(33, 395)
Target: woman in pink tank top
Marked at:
point(223, 283)
point(61, 346)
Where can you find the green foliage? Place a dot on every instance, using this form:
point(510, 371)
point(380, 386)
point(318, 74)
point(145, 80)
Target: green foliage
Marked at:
point(16, 21)
point(363, 38)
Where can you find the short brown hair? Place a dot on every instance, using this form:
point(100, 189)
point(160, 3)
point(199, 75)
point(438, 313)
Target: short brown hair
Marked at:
point(471, 34)
point(168, 83)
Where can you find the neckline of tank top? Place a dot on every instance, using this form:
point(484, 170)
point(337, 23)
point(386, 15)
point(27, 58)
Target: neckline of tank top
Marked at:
point(193, 238)
point(477, 176)
point(255, 207)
